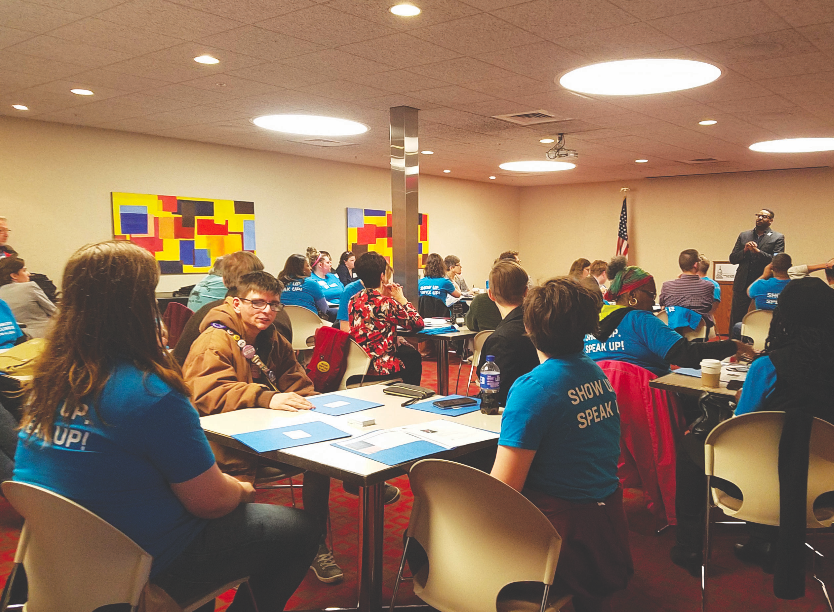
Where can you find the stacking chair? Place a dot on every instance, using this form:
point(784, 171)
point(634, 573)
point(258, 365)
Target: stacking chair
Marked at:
point(745, 451)
point(756, 325)
point(477, 345)
point(481, 536)
point(74, 560)
point(175, 317)
point(304, 325)
point(358, 362)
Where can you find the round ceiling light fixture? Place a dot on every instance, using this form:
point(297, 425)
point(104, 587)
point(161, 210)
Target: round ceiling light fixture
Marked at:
point(310, 125)
point(707, 122)
point(547, 141)
point(639, 77)
point(641, 161)
point(206, 59)
point(20, 106)
point(794, 145)
point(405, 10)
point(427, 152)
point(82, 92)
point(446, 171)
point(537, 166)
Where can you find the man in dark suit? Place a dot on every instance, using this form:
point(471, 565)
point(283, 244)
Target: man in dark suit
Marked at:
point(754, 249)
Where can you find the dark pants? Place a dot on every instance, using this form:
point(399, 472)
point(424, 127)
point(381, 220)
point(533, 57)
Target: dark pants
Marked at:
point(741, 304)
point(412, 371)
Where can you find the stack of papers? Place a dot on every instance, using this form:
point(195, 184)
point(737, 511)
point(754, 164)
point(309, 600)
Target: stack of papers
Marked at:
point(436, 322)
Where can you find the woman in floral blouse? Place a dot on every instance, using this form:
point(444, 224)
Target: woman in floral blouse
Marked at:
point(374, 314)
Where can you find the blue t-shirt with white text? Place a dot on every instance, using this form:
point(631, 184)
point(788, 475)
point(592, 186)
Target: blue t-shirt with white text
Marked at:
point(439, 288)
point(330, 285)
point(765, 292)
point(9, 329)
point(351, 290)
point(302, 292)
point(758, 386)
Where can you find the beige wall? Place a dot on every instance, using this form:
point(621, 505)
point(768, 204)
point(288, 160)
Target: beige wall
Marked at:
point(55, 184)
point(666, 216)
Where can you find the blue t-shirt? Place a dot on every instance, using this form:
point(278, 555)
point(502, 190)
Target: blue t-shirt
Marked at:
point(436, 287)
point(641, 338)
point(9, 329)
point(302, 292)
point(716, 295)
point(765, 292)
point(566, 410)
point(758, 386)
point(117, 459)
point(351, 290)
point(330, 285)
point(210, 289)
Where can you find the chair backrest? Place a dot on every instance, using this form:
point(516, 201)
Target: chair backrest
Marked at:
point(304, 325)
point(745, 451)
point(74, 560)
point(358, 362)
point(479, 534)
point(756, 325)
point(478, 345)
point(699, 333)
point(429, 306)
point(175, 317)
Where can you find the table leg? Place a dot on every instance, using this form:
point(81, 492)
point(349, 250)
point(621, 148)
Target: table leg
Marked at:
point(442, 366)
point(371, 525)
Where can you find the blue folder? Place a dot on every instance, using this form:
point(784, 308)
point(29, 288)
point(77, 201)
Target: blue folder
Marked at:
point(428, 406)
point(286, 437)
point(394, 456)
point(353, 404)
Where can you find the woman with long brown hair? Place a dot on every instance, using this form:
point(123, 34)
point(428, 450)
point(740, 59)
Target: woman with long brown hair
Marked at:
point(109, 425)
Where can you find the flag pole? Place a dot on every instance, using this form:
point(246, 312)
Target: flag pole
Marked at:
point(622, 232)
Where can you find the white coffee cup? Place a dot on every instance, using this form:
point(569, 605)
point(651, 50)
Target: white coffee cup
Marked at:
point(710, 372)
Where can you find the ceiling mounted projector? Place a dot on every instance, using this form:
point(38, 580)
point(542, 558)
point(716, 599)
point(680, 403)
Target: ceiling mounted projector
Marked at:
point(558, 151)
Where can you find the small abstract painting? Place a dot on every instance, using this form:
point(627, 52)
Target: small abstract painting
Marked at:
point(372, 230)
point(185, 235)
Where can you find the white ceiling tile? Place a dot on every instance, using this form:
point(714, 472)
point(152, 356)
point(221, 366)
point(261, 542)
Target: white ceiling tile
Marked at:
point(452, 95)
point(260, 43)
point(491, 108)
point(654, 9)
point(101, 77)
point(177, 64)
point(542, 61)
point(493, 5)
point(731, 86)
point(195, 95)
point(463, 70)
point(286, 101)
point(316, 24)
point(400, 51)
point(279, 75)
point(231, 86)
point(476, 34)
point(13, 81)
point(246, 11)
point(336, 64)
point(721, 23)
point(623, 42)
point(10, 36)
point(37, 66)
point(818, 83)
point(765, 104)
point(514, 87)
point(23, 15)
point(81, 7)
point(803, 12)
point(385, 103)
point(557, 19)
point(108, 35)
point(822, 35)
point(808, 63)
point(343, 90)
point(567, 104)
point(399, 81)
point(168, 18)
point(49, 47)
point(758, 47)
point(433, 11)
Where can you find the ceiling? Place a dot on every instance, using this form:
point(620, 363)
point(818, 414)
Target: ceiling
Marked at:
point(459, 62)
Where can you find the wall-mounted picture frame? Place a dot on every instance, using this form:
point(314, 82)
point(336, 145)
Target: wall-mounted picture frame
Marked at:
point(724, 271)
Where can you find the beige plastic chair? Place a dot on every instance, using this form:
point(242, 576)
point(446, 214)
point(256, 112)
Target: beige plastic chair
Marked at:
point(745, 450)
point(480, 536)
point(358, 362)
point(304, 325)
point(477, 345)
point(75, 561)
point(756, 325)
point(699, 333)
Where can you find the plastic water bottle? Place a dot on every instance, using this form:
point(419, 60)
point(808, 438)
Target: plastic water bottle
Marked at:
point(490, 381)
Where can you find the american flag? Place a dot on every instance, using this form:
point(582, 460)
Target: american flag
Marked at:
point(622, 232)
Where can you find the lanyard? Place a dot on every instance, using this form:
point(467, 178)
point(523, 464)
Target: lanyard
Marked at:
point(249, 353)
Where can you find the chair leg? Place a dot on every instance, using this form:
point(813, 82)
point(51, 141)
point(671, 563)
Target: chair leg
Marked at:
point(815, 553)
point(706, 553)
point(399, 576)
point(544, 598)
point(251, 596)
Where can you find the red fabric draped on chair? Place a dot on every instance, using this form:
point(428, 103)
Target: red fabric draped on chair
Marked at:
point(175, 317)
point(650, 422)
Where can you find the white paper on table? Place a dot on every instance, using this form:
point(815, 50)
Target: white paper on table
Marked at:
point(336, 404)
point(448, 434)
point(376, 441)
point(297, 434)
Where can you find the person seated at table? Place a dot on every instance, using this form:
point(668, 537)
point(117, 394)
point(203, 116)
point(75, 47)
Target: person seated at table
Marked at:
point(28, 302)
point(300, 289)
point(689, 290)
point(210, 289)
point(599, 272)
point(510, 255)
point(222, 379)
point(580, 268)
point(560, 446)
point(514, 353)
point(120, 437)
point(235, 265)
point(345, 268)
point(330, 284)
point(435, 284)
point(374, 314)
point(483, 313)
point(803, 270)
point(342, 318)
point(454, 272)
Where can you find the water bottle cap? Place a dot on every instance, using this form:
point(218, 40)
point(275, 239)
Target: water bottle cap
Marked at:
point(490, 357)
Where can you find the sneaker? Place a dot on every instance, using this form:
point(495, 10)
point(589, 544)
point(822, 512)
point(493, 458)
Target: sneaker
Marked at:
point(325, 567)
point(390, 495)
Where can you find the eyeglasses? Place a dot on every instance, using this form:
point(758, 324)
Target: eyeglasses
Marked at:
point(651, 294)
point(262, 304)
point(758, 216)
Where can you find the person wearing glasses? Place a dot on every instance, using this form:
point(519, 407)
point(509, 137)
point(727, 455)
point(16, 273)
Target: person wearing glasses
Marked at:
point(754, 249)
point(222, 379)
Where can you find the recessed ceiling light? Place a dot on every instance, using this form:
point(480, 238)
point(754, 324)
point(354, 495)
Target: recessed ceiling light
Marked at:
point(310, 125)
point(794, 145)
point(206, 59)
point(707, 122)
point(447, 171)
point(639, 77)
point(537, 166)
point(82, 92)
point(427, 152)
point(547, 140)
point(20, 107)
point(641, 161)
point(405, 10)
point(492, 178)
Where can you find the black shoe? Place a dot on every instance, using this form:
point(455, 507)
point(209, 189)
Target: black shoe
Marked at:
point(389, 496)
point(688, 559)
point(758, 552)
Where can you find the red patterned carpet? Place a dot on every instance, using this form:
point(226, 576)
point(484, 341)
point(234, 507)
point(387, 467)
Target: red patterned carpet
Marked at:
point(657, 586)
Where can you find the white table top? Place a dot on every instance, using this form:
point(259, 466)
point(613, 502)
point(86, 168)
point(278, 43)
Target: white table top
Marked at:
point(335, 462)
